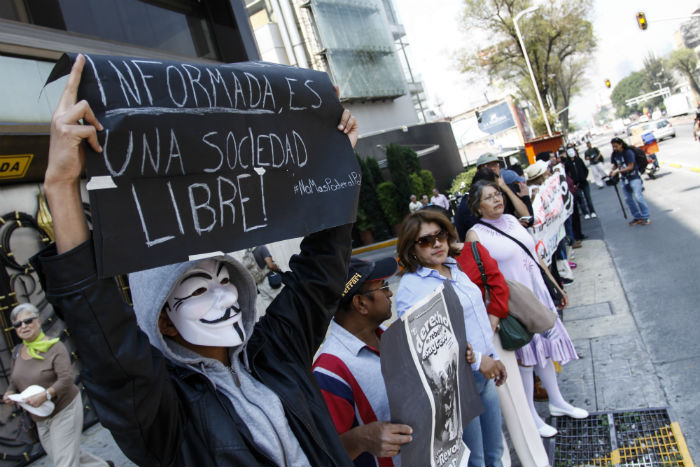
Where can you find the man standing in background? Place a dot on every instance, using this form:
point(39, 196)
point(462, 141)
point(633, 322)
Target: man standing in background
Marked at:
point(595, 159)
point(439, 199)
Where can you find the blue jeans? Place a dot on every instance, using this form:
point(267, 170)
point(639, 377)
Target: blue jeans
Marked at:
point(483, 434)
point(635, 199)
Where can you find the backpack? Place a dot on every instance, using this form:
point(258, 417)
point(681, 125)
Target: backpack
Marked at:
point(640, 159)
point(251, 265)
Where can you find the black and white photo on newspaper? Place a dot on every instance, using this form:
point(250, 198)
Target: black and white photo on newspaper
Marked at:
point(429, 384)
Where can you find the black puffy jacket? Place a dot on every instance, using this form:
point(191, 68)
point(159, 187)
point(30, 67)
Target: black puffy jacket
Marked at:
point(161, 414)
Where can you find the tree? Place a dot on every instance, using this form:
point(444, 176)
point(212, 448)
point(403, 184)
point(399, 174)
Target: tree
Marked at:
point(630, 86)
point(389, 200)
point(685, 61)
point(558, 39)
point(656, 76)
point(428, 181)
point(417, 184)
point(374, 170)
point(374, 217)
point(402, 162)
point(463, 181)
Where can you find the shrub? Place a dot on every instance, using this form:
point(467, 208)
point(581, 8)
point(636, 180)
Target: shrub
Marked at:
point(369, 205)
point(417, 187)
point(463, 181)
point(389, 201)
point(374, 171)
point(428, 181)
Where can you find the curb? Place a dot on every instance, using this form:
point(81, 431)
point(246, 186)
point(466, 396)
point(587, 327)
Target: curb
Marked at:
point(374, 246)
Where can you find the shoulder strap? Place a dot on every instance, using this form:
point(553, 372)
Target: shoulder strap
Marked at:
point(480, 265)
point(520, 244)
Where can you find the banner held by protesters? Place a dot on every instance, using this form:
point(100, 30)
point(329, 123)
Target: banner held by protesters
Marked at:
point(552, 205)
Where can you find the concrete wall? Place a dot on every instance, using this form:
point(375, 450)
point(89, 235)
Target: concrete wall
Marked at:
point(383, 115)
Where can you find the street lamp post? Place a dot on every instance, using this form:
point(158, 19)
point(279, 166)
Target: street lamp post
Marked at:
point(529, 67)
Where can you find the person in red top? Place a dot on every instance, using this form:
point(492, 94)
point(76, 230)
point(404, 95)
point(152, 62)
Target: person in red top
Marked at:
point(521, 426)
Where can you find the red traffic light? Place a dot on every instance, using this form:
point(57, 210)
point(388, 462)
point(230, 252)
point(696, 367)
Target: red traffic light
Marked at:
point(642, 21)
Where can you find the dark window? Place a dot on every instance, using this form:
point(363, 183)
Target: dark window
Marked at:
point(178, 26)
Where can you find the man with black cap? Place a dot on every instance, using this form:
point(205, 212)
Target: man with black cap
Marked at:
point(348, 369)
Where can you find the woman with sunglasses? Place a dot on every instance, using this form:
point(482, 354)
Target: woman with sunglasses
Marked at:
point(486, 202)
point(427, 246)
point(43, 361)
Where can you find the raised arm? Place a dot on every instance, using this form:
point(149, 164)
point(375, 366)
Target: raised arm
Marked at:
point(302, 311)
point(66, 162)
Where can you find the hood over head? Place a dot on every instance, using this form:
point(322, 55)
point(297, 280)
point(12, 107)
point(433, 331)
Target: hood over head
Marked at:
point(151, 288)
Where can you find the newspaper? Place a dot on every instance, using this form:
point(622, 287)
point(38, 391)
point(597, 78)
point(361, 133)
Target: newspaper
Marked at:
point(429, 384)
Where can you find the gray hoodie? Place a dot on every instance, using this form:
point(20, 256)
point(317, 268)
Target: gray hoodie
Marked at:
point(257, 405)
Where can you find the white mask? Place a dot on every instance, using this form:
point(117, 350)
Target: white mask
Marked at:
point(204, 308)
point(571, 152)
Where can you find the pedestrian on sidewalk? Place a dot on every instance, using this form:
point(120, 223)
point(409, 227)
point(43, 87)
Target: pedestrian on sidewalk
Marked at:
point(624, 164)
point(578, 171)
point(414, 205)
point(438, 199)
point(57, 410)
point(595, 159)
point(497, 231)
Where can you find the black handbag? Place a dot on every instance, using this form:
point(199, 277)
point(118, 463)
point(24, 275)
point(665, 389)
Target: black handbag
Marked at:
point(552, 288)
point(274, 279)
point(511, 331)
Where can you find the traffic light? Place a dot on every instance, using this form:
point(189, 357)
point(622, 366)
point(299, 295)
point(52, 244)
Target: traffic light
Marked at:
point(642, 21)
point(607, 83)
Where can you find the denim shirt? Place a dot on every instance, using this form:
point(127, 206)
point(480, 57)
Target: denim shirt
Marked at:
point(416, 285)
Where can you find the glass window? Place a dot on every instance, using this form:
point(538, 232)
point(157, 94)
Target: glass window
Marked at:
point(358, 45)
point(177, 26)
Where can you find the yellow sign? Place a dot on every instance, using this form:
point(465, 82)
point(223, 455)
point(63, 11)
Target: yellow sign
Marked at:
point(15, 166)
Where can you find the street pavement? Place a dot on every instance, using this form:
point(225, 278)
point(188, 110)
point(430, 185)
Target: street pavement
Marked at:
point(634, 316)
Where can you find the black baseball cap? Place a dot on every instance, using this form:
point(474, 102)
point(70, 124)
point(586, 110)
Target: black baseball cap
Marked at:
point(361, 271)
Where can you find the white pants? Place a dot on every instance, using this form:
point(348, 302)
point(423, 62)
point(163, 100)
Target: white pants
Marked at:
point(265, 296)
point(60, 437)
point(516, 413)
point(597, 173)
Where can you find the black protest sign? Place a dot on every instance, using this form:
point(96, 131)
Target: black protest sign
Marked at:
point(199, 159)
point(425, 349)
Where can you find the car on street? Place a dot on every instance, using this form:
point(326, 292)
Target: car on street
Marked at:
point(662, 129)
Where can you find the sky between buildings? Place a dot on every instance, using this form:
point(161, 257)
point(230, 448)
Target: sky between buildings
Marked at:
point(435, 37)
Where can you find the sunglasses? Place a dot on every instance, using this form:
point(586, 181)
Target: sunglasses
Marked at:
point(385, 286)
point(18, 324)
point(429, 240)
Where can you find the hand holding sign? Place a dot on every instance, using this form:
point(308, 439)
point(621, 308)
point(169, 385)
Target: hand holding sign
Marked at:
point(67, 161)
point(197, 159)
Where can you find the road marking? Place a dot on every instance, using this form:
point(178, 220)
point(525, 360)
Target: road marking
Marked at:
point(680, 166)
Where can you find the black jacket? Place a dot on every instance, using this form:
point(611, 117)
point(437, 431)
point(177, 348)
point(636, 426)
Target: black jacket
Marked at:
point(577, 170)
point(161, 414)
